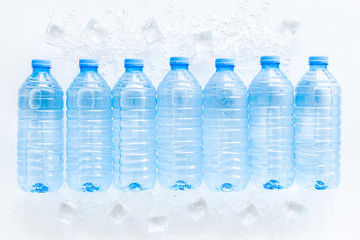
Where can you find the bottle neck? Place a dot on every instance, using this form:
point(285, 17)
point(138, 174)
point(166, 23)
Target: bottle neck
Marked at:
point(271, 65)
point(318, 66)
point(224, 68)
point(134, 69)
point(41, 69)
point(181, 66)
point(88, 69)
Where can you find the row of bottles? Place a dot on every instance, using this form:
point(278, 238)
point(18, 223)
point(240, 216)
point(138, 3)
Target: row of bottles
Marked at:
point(225, 134)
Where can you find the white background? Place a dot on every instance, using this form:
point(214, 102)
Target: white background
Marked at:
point(327, 27)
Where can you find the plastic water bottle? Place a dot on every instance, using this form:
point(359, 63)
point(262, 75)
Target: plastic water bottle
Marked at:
point(271, 136)
point(317, 127)
point(89, 130)
point(134, 129)
point(40, 131)
point(226, 161)
point(179, 128)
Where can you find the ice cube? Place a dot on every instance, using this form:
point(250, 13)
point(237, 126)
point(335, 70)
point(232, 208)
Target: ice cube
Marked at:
point(67, 212)
point(204, 42)
point(119, 212)
point(151, 30)
point(95, 31)
point(294, 211)
point(157, 224)
point(55, 34)
point(198, 209)
point(289, 26)
point(250, 215)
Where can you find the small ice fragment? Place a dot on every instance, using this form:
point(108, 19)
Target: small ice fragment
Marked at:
point(157, 224)
point(289, 26)
point(109, 8)
point(95, 31)
point(118, 213)
point(54, 34)
point(198, 209)
point(294, 211)
point(67, 212)
point(204, 42)
point(286, 61)
point(66, 21)
point(266, 5)
point(249, 215)
point(170, 8)
point(151, 30)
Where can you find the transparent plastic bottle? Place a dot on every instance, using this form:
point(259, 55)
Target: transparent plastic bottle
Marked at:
point(89, 130)
point(226, 160)
point(179, 128)
point(271, 129)
point(134, 129)
point(317, 127)
point(40, 131)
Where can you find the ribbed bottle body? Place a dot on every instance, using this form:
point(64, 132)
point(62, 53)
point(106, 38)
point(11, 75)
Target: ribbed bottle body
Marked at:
point(40, 134)
point(134, 132)
point(317, 130)
point(271, 129)
point(179, 131)
point(225, 137)
point(89, 133)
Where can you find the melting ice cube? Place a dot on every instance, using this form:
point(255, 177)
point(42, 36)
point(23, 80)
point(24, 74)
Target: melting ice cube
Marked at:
point(204, 42)
point(55, 34)
point(119, 212)
point(294, 211)
point(198, 209)
point(67, 212)
point(289, 26)
point(95, 31)
point(157, 224)
point(151, 30)
point(249, 215)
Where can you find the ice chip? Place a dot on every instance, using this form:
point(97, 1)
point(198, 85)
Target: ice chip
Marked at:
point(289, 26)
point(204, 42)
point(95, 31)
point(249, 216)
point(118, 213)
point(55, 34)
point(67, 212)
point(151, 30)
point(294, 211)
point(157, 224)
point(198, 209)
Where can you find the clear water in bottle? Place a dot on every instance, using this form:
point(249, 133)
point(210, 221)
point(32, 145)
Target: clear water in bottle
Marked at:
point(179, 128)
point(134, 129)
point(225, 124)
point(40, 131)
point(89, 130)
point(271, 127)
point(317, 127)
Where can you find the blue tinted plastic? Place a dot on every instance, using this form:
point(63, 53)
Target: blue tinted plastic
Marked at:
point(179, 128)
point(89, 131)
point(134, 126)
point(317, 127)
point(40, 131)
point(271, 136)
point(226, 161)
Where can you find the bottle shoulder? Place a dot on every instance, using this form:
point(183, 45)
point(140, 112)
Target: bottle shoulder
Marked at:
point(181, 78)
point(225, 81)
point(136, 81)
point(41, 81)
point(318, 79)
point(271, 80)
point(89, 80)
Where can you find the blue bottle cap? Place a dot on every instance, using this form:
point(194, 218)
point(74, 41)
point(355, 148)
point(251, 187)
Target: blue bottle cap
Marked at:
point(88, 63)
point(318, 60)
point(270, 60)
point(40, 63)
point(179, 61)
point(224, 62)
point(133, 62)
